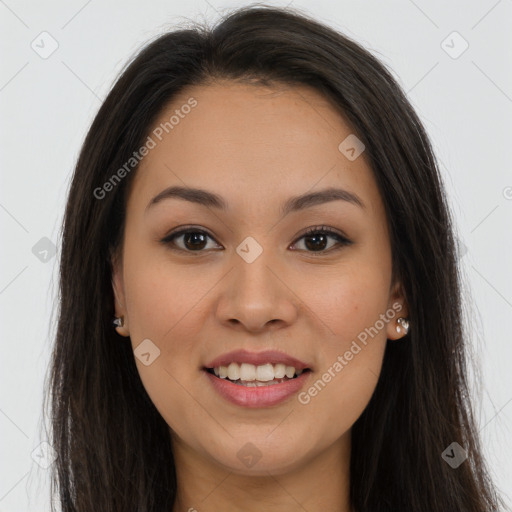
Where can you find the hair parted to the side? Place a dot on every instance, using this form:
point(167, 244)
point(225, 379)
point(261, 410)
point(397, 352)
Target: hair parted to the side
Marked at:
point(113, 446)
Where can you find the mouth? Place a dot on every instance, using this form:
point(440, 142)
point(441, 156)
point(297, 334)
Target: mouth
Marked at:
point(270, 379)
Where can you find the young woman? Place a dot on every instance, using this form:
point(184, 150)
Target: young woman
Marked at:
point(259, 298)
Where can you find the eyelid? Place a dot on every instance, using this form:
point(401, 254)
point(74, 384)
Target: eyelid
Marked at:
point(342, 239)
point(324, 229)
point(166, 240)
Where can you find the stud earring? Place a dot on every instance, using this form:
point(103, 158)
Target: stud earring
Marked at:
point(118, 321)
point(403, 325)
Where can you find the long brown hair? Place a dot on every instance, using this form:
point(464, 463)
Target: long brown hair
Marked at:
point(113, 446)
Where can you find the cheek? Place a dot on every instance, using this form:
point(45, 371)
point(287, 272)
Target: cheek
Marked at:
point(349, 311)
point(163, 298)
point(164, 303)
point(347, 302)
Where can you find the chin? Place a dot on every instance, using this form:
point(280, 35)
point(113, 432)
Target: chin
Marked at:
point(257, 454)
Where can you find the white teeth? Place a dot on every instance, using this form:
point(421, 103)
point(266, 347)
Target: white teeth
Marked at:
point(265, 373)
point(290, 371)
point(249, 373)
point(279, 370)
point(233, 371)
point(254, 384)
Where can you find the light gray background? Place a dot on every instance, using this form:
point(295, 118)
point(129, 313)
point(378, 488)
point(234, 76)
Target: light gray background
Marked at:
point(48, 104)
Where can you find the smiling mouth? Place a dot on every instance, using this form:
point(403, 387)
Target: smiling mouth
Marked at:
point(249, 375)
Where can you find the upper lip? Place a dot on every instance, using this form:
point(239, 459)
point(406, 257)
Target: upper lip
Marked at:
point(257, 359)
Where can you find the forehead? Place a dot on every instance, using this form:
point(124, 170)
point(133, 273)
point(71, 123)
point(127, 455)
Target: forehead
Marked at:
point(251, 143)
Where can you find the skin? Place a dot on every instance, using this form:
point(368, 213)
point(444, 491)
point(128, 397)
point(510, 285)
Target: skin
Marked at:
point(256, 146)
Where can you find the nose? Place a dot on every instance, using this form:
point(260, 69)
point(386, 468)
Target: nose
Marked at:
point(256, 297)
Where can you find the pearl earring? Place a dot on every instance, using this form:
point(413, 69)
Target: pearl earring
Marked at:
point(403, 325)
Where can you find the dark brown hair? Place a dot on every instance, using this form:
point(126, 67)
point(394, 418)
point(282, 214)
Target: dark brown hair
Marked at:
point(113, 446)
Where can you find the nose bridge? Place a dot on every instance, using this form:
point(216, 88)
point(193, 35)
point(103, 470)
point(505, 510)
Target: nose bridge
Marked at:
point(253, 273)
point(256, 295)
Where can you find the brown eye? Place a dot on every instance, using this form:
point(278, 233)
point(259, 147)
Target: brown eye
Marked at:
point(317, 239)
point(193, 240)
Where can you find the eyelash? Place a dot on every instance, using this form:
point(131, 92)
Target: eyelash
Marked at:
point(324, 230)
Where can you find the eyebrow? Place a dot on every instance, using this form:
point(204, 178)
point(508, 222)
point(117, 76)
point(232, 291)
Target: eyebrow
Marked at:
point(293, 204)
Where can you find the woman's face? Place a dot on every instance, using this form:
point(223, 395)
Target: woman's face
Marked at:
point(247, 277)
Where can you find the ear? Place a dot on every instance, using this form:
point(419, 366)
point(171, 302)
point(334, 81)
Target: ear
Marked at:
point(119, 295)
point(398, 305)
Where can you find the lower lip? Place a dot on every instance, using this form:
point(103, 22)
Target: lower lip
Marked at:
point(262, 396)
